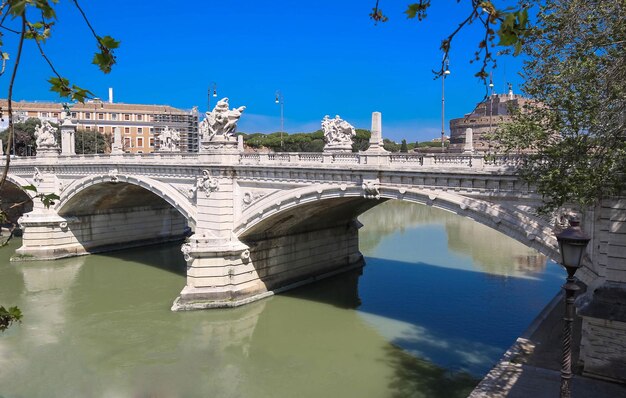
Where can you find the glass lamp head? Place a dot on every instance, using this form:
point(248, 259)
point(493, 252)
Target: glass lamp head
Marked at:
point(572, 244)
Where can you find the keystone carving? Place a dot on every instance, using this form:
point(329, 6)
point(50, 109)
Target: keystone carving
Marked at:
point(371, 189)
point(37, 177)
point(206, 183)
point(113, 175)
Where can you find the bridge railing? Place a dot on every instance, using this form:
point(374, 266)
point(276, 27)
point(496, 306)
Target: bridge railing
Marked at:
point(384, 159)
point(295, 159)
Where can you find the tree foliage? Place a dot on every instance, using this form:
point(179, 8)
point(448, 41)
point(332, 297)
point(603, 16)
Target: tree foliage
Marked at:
point(24, 137)
point(34, 20)
point(576, 73)
point(9, 316)
point(88, 142)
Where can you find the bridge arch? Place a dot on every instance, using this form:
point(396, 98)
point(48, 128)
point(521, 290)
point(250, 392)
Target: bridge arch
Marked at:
point(279, 210)
point(162, 190)
point(16, 201)
point(20, 183)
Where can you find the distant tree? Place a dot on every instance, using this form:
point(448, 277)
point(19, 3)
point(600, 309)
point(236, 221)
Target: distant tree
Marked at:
point(85, 142)
point(24, 136)
point(403, 147)
point(361, 141)
point(390, 146)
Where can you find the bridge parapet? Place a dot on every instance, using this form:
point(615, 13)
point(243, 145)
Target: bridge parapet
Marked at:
point(294, 159)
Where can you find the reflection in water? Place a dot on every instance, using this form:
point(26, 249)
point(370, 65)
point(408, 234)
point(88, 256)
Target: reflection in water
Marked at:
point(490, 250)
point(421, 320)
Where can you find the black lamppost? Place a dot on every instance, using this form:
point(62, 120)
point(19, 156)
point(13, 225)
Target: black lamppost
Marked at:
point(572, 244)
point(213, 89)
point(445, 73)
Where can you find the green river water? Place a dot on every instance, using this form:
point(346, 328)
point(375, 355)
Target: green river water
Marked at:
point(438, 302)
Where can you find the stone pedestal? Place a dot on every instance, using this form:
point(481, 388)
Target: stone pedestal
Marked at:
point(117, 147)
point(47, 151)
point(219, 143)
point(345, 147)
point(376, 139)
point(68, 142)
point(469, 141)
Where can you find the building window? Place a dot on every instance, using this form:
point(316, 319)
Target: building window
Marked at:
point(43, 114)
point(139, 130)
point(56, 114)
point(126, 116)
point(87, 115)
point(113, 116)
point(151, 142)
point(139, 142)
point(100, 116)
point(151, 130)
point(88, 128)
point(74, 115)
point(101, 129)
point(126, 130)
point(126, 142)
point(140, 117)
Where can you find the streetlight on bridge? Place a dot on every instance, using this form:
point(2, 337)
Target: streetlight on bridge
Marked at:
point(281, 101)
point(212, 88)
point(446, 72)
point(572, 244)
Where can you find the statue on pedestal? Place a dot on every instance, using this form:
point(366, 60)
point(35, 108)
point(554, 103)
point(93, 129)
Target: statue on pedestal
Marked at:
point(45, 140)
point(169, 140)
point(221, 122)
point(44, 135)
point(338, 134)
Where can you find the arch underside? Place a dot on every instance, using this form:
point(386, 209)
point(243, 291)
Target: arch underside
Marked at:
point(320, 207)
point(15, 200)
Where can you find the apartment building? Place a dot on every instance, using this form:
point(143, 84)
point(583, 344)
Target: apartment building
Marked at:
point(140, 125)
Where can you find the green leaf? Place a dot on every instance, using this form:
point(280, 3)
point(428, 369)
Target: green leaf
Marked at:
point(109, 42)
point(30, 188)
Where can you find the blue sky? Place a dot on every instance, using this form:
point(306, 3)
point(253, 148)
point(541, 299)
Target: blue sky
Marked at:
point(326, 57)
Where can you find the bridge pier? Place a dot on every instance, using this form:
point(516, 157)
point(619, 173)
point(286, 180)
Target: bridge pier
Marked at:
point(232, 273)
point(49, 236)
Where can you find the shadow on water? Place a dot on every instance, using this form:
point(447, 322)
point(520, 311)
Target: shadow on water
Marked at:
point(415, 377)
point(165, 256)
point(341, 290)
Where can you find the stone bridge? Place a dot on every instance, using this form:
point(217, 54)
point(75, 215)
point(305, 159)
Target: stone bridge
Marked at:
point(257, 223)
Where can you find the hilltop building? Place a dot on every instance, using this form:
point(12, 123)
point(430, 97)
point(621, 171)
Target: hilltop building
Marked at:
point(140, 125)
point(483, 120)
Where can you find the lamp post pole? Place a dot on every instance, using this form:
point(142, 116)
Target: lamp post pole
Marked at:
point(212, 91)
point(95, 122)
point(281, 101)
point(445, 73)
point(572, 244)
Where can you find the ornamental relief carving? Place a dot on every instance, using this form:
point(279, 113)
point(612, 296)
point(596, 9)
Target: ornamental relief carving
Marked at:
point(207, 183)
point(371, 188)
point(250, 197)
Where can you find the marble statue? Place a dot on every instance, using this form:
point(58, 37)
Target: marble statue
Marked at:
point(169, 140)
point(337, 133)
point(44, 135)
point(221, 122)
